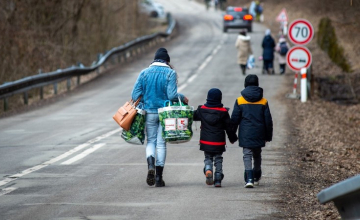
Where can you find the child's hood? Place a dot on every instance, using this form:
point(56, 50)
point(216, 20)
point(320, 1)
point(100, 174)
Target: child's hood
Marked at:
point(252, 93)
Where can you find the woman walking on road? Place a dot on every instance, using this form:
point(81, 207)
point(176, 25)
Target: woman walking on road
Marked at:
point(282, 48)
point(268, 46)
point(156, 84)
point(243, 46)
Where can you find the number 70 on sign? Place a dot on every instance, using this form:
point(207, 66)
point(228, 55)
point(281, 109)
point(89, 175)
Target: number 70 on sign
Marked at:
point(301, 32)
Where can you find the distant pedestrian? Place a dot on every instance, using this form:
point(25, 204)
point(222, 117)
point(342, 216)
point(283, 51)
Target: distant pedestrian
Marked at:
point(207, 4)
point(252, 9)
point(216, 3)
point(252, 114)
point(215, 122)
point(282, 48)
point(268, 45)
point(243, 45)
point(258, 10)
point(222, 4)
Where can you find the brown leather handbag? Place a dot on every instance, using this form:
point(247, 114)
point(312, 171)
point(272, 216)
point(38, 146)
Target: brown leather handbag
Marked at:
point(125, 115)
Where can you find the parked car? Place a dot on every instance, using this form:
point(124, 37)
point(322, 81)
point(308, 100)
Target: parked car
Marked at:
point(153, 9)
point(237, 18)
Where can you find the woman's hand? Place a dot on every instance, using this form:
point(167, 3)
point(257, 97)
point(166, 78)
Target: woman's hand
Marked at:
point(186, 100)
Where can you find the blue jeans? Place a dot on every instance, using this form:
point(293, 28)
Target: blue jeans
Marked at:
point(156, 145)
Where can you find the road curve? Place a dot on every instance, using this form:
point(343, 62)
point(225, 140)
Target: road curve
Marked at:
point(66, 160)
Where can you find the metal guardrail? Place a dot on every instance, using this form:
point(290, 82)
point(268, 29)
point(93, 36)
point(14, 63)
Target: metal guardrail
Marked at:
point(122, 52)
point(346, 197)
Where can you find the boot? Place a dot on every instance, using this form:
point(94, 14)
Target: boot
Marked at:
point(150, 179)
point(271, 71)
point(218, 178)
point(159, 182)
point(249, 178)
point(257, 177)
point(208, 174)
point(243, 70)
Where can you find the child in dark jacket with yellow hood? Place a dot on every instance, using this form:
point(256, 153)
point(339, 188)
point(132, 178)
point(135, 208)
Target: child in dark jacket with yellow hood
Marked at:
point(252, 114)
point(215, 121)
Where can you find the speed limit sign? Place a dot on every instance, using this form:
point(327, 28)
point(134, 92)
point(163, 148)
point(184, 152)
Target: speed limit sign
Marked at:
point(301, 32)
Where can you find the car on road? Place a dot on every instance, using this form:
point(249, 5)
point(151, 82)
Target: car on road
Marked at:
point(153, 9)
point(237, 18)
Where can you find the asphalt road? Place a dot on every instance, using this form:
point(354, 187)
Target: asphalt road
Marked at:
point(66, 160)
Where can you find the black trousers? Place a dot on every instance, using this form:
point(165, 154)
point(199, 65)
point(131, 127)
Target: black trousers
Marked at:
point(243, 68)
point(282, 68)
point(214, 158)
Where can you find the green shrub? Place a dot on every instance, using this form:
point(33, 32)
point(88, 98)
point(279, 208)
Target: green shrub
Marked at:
point(327, 41)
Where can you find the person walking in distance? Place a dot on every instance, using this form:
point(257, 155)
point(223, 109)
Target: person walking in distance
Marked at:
point(215, 121)
point(207, 4)
point(156, 84)
point(252, 116)
point(243, 46)
point(268, 45)
point(282, 48)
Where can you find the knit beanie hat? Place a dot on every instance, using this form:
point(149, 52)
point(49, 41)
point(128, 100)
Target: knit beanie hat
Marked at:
point(214, 98)
point(162, 54)
point(251, 80)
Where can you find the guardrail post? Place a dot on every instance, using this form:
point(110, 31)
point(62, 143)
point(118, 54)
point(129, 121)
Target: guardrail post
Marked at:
point(68, 84)
point(26, 98)
point(6, 104)
point(55, 89)
point(125, 56)
point(41, 88)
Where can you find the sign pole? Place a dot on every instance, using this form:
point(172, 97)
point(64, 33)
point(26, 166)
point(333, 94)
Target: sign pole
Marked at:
point(303, 85)
point(285, 28)
point(295, 83)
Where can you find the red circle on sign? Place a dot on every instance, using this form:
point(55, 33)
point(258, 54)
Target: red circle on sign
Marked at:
point(294, 68)
point(309, 26)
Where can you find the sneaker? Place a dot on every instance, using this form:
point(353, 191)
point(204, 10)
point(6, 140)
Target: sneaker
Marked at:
point(209, 177)
point(257, 177)
point(249, 179)
point(249, 185)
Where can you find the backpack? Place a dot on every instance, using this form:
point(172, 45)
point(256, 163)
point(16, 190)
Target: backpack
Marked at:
point(283, 48)
point(258, 9)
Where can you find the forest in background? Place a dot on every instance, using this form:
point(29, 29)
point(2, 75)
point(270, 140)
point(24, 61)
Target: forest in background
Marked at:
point(49, 35)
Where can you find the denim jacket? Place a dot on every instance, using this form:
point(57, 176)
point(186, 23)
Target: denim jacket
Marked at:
point(156, 84)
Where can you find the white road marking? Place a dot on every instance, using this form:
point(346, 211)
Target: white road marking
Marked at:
point(119, 204)
point(62, 156)
point(83, 154)
point(183, 86)
point(7, 190)
point(202, 66)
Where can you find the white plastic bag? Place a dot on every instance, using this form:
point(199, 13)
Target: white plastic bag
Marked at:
point(250, 62)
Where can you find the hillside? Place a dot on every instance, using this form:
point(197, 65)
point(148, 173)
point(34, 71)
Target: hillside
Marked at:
point(43, 36)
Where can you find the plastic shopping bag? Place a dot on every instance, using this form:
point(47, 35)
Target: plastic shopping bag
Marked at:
point(250, 62)
point(136, 133)
point(176, 120)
